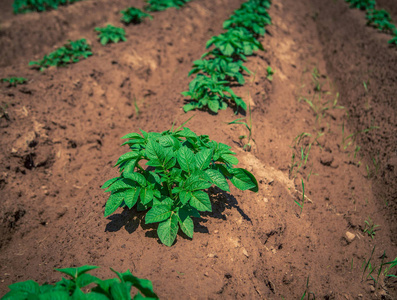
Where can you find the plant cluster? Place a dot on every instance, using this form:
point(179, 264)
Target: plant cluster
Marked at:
point(180, 165)
point(134, 15)
point(71, 52)
point(379, 19)
point(114, 288)
point(223, 64)
point(24, 6)
point(110, 34)
point(160, 5)
point(362, 4)
point(14, 81)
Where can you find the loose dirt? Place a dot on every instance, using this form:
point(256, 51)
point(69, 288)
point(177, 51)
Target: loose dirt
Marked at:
point(60, 136)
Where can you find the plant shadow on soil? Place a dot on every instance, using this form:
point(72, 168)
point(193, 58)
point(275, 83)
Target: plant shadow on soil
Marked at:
point(131, 219)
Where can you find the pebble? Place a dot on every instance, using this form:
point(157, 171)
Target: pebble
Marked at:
point(245, 252)
point(350, 236)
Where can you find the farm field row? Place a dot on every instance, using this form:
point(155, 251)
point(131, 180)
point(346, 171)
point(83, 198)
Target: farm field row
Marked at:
point(310, 126)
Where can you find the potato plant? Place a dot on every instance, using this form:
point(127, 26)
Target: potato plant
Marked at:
point(110, 34)
point(380, 19)
point(253, 22)
point(362, 4)
point(114, 288)
point(179, 166)
point(211, 92)
point(134, 15)
point(160, 5)
point(222, 67)
point(24, 6)
point(14, 81)
point(71, 52)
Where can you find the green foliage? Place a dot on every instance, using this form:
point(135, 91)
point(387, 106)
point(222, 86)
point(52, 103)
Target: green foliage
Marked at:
point(221, 67)
point(236, 43)
point(24, 6)
point(180, 166)
point(380, 19)
point(370, 228)
point(110, 34)
point(134, 15)
point(270, 73)
point(253, 22)
point(393, 41)
point(211, 92)
point(160, 5)
point(71, 52)
point(14, 81)
point(114, 288)
point(362, 4)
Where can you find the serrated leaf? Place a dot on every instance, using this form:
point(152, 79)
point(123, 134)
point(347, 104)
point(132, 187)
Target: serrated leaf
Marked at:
point(201, 201)
point(231, 159)
point(203, 158)
point(168, 229)
point(137, 177)
point(28, 286)
point(146, 195)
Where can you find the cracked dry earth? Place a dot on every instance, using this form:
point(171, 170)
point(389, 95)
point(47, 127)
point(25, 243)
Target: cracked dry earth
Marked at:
point(62, 136)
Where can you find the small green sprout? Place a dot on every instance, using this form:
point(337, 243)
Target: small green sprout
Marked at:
point(270, 73)
point(247, 146)
point(370, 228)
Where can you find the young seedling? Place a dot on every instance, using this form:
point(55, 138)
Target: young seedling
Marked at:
point(75, 287)
point(180, 166)
point(110, 34)
point(270, 73)
point(14, 81)
point(382, 270)
point(134, 15)
point(370, 228)
point(307, 292)
point(4, 112)
point(303, 199)
point(71, 52)
point(248, 145)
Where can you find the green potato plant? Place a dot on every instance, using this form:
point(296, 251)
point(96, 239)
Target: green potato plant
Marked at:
point(180, 166)
point(393, 41)
point(380, 19)
point(253, 22)
point(110, 34)
point(14, 81)
point(114, 288)
point(222, 67)
point(134, 15)
point(211, 92)
point(24, 6)
point(160, 5)
point(236, 42)
point(71, 52)
point(362, 4)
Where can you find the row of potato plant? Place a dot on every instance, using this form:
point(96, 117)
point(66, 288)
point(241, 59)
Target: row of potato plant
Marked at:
point(73, 288)
point(377, 18)
point(74, 51)
point(224, 63)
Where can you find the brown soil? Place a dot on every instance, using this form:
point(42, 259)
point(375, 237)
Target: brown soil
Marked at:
point(63, 129)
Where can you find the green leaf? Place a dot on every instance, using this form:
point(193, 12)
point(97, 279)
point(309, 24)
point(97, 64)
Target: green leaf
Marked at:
point(203, 159)
point(201, 201)
point(109, 182)
point(243, 180)
point(145, 286)
point(186, 223)
point(186, 159)
point(119, 291)
point(55, 295)
point(146, 195)
point(131, 197)
point(218, 179)
point(76, 272)
point(137, 177)
point(113, 203)
point(86, 279)
point(28, 286)
point(158, 213)
point(168, 229)
point(231, 159)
